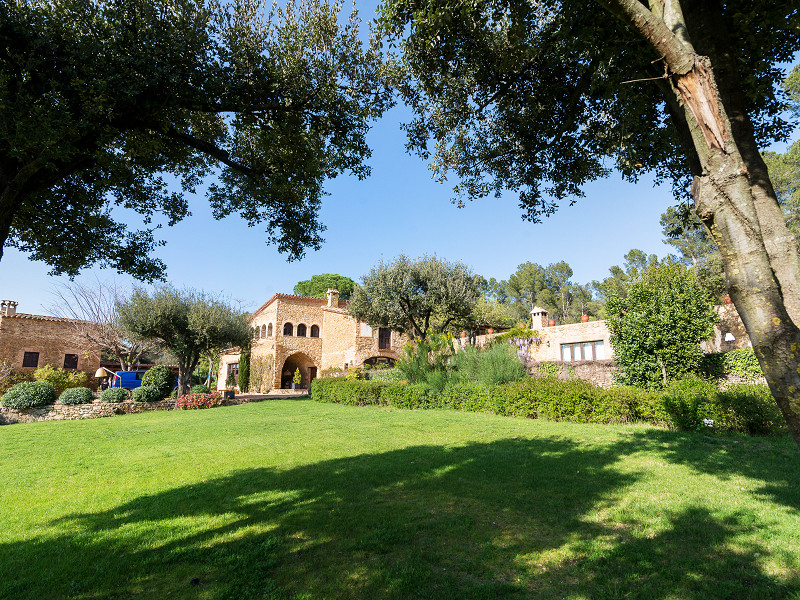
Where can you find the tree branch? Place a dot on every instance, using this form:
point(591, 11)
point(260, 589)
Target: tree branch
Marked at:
point(210, 149)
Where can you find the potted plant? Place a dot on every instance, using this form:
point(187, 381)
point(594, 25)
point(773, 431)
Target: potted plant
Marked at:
point(230, 387)
point(297, 379)
point(584, 318)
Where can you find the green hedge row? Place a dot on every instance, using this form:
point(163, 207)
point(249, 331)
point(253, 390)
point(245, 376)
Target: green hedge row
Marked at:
point(692, 404)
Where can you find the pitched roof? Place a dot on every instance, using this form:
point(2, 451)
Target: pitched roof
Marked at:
point(292, 298)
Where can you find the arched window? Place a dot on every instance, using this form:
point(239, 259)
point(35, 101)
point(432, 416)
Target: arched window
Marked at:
point(254, 333)
point(269, 330)
point(315, 331)
point(264, 331)
point(301, 330)
point(287, 329)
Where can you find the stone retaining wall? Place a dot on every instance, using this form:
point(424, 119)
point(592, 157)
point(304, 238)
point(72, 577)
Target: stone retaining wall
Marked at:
point(598, 372)
point(95, 410)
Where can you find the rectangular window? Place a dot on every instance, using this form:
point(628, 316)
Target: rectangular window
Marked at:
point(384, 339)
point(70, 361)
point(599, 351)
point(30, 359)
point(577, 351)
point(366, 330)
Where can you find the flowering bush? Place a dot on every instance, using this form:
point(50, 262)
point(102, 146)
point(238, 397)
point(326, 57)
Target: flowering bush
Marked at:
point(200, 400)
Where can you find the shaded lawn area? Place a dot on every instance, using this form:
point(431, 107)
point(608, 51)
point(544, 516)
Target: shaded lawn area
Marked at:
point(295, 499)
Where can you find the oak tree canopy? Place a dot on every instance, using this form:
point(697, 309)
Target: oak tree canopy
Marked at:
point(104, 104)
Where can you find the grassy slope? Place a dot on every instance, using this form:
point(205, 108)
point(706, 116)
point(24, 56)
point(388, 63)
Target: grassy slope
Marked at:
point(295, 498)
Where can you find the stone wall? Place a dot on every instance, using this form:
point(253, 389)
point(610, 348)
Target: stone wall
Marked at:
point(597, 372)
point(730, 325)
point(95, 410)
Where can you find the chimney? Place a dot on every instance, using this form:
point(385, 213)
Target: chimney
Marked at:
point(8, 308)
point(539, 317)
point(333, 298)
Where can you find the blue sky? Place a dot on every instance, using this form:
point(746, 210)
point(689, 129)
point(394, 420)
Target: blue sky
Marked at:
point(399, 209)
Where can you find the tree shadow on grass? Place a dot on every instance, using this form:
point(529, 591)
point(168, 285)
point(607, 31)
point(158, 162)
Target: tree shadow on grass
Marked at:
point(421, 522)
point(772, 461)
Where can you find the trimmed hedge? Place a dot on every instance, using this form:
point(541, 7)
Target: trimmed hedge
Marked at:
point(148, 393)
point(114, 395)
point(690, 404)
point(78, 395)
point(159, 377)
point(29, 394)
point(199, 389)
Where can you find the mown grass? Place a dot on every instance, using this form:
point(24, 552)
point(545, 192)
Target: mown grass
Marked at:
point(296, 499)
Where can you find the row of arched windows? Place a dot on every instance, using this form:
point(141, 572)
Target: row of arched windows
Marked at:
point(265, 331)
point(302, 330)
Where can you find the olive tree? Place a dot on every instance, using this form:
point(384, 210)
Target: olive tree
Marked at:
point(187, 323)
point(416, 296)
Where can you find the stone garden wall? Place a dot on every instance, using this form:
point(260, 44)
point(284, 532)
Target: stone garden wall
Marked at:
point(95, 410)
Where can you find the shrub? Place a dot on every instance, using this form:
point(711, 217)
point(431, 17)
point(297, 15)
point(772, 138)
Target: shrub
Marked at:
point(685, 400)
point(749, 409)
point(29, 394)
point(148, 393)
point(199, 400)
point(244, 371)
point(61, 379)
point(159, 377)
point(495, 365)
point(685, 405)
point(199, 389)
point(79, 395)
point(740, 363)
point(114, 395)
point(384, 375)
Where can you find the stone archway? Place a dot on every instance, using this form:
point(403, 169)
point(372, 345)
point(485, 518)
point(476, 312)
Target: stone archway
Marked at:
point(298, 360)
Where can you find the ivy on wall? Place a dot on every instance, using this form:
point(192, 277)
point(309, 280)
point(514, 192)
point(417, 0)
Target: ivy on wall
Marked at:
point(261, 373)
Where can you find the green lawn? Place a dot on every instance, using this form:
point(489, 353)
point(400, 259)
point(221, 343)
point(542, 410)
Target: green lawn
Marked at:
point(295, 499)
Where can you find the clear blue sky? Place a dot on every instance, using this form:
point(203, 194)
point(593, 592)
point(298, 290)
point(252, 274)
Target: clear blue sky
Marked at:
point(399, 209)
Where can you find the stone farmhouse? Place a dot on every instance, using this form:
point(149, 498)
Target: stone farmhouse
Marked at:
point(309, 334)
point(584, 349)
point(31, 341)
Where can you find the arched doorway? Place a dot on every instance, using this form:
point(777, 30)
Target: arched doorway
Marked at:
point(308, 370)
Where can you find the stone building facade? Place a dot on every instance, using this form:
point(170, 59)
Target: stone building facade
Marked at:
point(584, 351)
point(31, 341)
point(312, 335)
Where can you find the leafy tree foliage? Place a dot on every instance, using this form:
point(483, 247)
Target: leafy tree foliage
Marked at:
point(540, 97)
point(687, 234)
point(551, 288)
point(187, 323)
point(656, 328)
point(318, 285)
point(635, 263)
point(101, 98)
point(416, 296)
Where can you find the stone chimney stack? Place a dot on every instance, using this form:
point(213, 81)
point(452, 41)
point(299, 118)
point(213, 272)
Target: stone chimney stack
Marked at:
point(8, 308)
point(333, 298)
point(539, 317)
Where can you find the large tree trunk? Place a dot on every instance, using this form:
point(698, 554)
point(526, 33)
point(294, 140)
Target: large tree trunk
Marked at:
point(731, 190)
